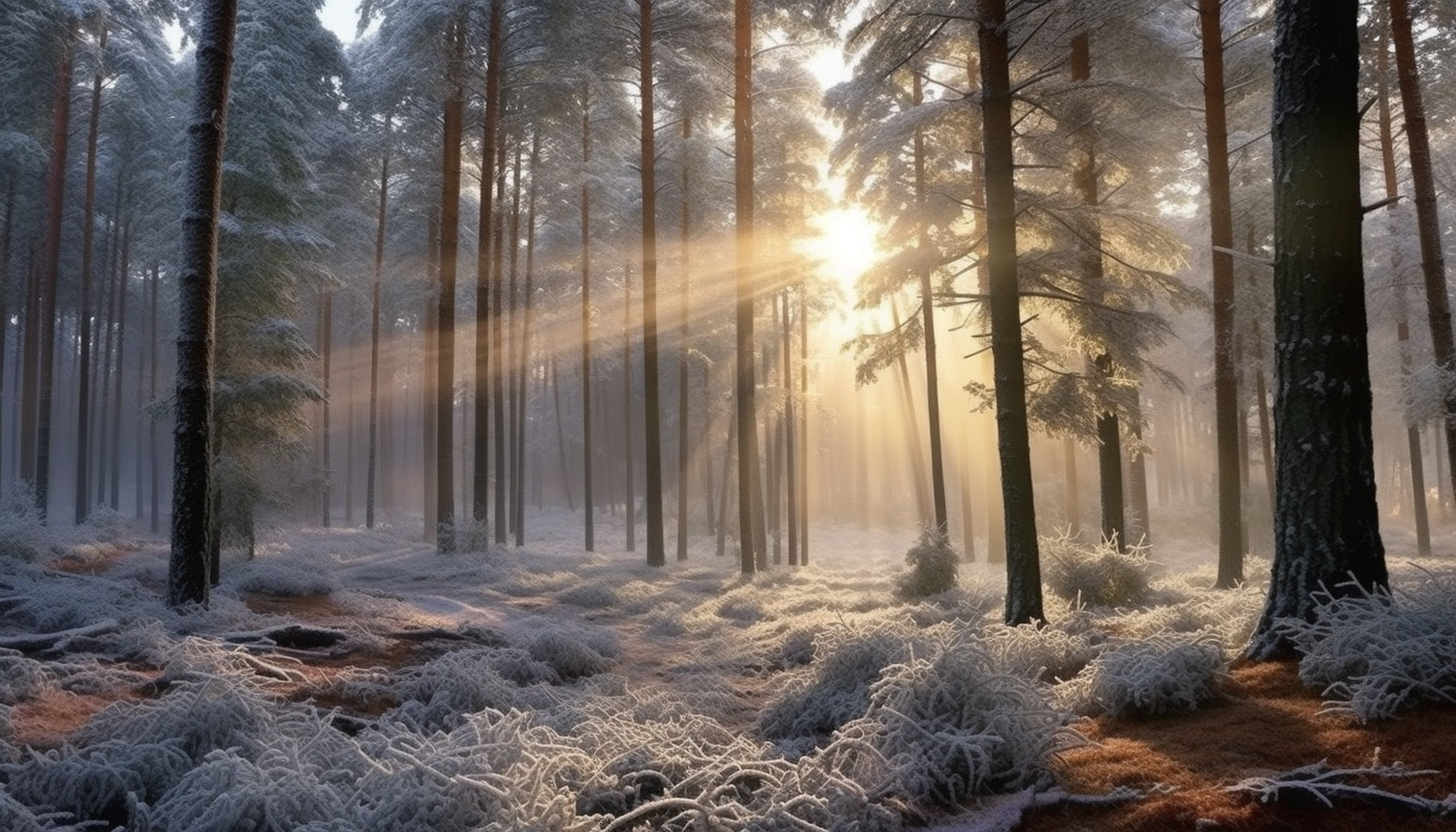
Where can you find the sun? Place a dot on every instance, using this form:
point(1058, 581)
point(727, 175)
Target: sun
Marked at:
point(847, 244)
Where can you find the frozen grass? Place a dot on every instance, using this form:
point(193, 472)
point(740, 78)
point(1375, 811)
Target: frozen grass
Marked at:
point(1159, 674)
point(1375, 654)
point(808, 699)
point(1098, 576)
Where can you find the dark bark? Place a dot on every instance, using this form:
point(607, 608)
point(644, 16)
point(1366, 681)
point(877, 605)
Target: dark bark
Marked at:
point(684, 345)
point(927, 315)
point(1225, 373)
point(651, 380)
point(500, 368)
point(489, 135)
point(120, 287)
point(83, 323)
point(750, 523)
point(588, 505)
point(381, 216)
point(444, 326)
point(188, 581)
point(1023, 568)
point(1326, 522)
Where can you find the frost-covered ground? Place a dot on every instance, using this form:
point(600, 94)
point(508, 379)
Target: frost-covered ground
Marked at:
point(352, 680)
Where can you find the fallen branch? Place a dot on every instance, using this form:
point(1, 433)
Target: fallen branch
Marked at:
point(44, 642)
point(1326, 784)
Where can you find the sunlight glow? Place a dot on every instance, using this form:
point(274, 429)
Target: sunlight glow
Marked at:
point(847, 244)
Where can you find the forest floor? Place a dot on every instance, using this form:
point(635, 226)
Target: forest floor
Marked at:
point(1265, 721)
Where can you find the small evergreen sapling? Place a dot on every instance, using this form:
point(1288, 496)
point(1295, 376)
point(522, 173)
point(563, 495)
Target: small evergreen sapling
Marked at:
point(932, 563)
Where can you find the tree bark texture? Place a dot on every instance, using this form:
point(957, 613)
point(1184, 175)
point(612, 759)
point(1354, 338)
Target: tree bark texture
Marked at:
point(188, 581)
point(651, 380)
point(1023, 567)
point(750, 529)
point(1225, 373)
point(444, 327)
point(1326, 523)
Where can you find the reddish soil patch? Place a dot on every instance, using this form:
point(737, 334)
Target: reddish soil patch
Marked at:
point(1269, 723)
point(90, 560)
point(47, 720)
point(314, 608)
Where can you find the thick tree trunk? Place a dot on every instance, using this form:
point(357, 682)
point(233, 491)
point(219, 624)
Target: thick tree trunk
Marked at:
point(651, 379)
point(192, 483)
point(1225, 373)
point(1326, 523)
point(1023, 568)
point(445, 302)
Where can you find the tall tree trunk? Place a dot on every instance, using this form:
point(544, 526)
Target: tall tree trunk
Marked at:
point(192, 483)
point(651, 379)
point(629, 456)
point(684, 344)
point(1225, 373)
point(489, 135)
point(1326, 523)
point(803, 495)
point(523, 340)
point(50, 277)
point(1109, 434)
point(375, 292)
point(83, 322)
point(445, 302)
point(429, 386)
point(497, 344)
point(5, 308)
point(927, 314)
point(154, 452)
point(1428, 220)
point(750, 525)
point(588, 504)
point(122, 275)
point(919, 476)
point(790, 456)
point(1023, 567)
point(1402, 321)
point(326, 355)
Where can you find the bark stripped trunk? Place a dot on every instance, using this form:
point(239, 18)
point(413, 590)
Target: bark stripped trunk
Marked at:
point(1326, 523)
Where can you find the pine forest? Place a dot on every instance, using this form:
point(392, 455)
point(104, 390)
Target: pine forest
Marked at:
point(736, 415)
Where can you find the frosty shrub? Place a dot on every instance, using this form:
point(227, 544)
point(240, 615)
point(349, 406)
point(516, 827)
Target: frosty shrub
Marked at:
point(22, 534)
point(441, 693)
point(17, 817)
point(1043, 653)
point(949, 726)
point(932, 563)
point(835, 688)
point(97, 782)
point(1374, 653)
point(591, 596)
point(21, 677)
point(1162, 673)
point(199, 716)
point(288, 577)
point(1101, 576)
point(567, 653)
